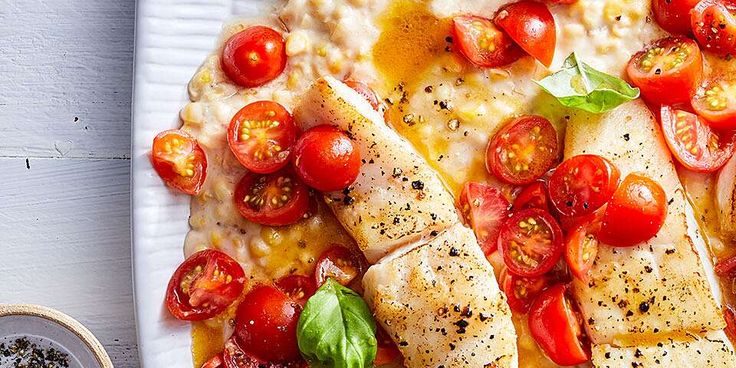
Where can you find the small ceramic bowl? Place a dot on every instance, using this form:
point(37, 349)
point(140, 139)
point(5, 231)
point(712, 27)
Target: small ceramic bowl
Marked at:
point(50, 328)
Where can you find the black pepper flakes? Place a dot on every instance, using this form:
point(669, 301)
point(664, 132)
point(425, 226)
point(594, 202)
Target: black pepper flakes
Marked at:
point(22, 353)
point(417, 184)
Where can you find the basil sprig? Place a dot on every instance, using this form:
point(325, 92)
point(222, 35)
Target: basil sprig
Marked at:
point(579, 86)
point(336, 329)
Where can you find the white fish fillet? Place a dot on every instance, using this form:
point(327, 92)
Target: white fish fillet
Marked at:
point(442, 305)
point(659, 289)
point(397, 199)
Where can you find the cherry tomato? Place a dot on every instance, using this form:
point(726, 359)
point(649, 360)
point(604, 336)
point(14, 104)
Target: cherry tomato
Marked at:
point(714, 25)
point(275, 199)
point(673, 15)
point(261, 135)
point(214, 362)
point(555, 327)
point(635, 213)
point(726, 267)
point(581, 249)
point(235, 357)
point(482, 43)
point(365, 91)
point(693, 143)
point(326, 159)
point(179, 161)
point(484, 208)
point(531, 25)
point(530, 242)
point(522, 150)
point(204, 285)
point(386, 352)
point(339, 263)
point(265, 324)
point(532, 196)
point(730, 316)
point(715, 101)
point(582, 184)
point(297, 287)
point(667, 71)
point(254, 56)
point(520, 291)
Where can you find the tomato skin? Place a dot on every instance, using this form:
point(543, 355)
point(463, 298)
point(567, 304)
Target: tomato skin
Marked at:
point(260, 136)
point(297, 287)
point(730, 316)
point(635, 213)
point(672, 82)
point(386, 352)
point(254, 56)
point(581, 249)
point(255, 187)
point(326, 159)
point(531, 25)
point(365, 91)
point(582, 184)
point(520, 291)
point(556, 329)
point(485, 209)
point(521, 233)
point(214, 362)
point(265, 324)
point(674, 15)
point(726, 267)
point(537, 150)
point(482, 44)
point(175, 155)
point(716, 103)
point(709, 150)
point(533, 196)
point(235, 357)
point(197, 294)
point(714, 25)
point(340, 264)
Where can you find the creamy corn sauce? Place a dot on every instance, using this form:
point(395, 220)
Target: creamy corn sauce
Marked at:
point(444, 106)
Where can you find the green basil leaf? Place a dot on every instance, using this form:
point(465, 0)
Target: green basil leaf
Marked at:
point(336, 329)
point(580, 86)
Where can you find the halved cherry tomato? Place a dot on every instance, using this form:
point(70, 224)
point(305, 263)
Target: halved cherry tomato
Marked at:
point(530, 242)
point(214, 362)
point(386, 352)
point(667, 71)
point(635, 213)
point(483, 44)
point(581, 249)
point(715, 101)
point(338, 263)
point(204, 285)
point(726, 267)
point(485, 209)
point(297, 287)
point(326, 159)
point(520, 291)
point(582, 184)
point(714, 25)
point(254, 56)
point(261, 135)
point(522, 150)
point(265, 324)
point(365, 91)
point(179, 161)
point(556, 328)
point(532, 196)
point(275, 199)
point(235, 357)
point(674, 15)
point(693, 143)
point(531, 25)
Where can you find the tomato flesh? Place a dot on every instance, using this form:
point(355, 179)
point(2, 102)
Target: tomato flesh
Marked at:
point(386, 352)
point(715, 101)
point(556, 328)
point(481, 43)
point(531, 25)
point(254, 56)
point(693, 143)
point(530, 242)
point(235, 357)
point(484, 208)
point(265, 324)
point(214, 362)
point(179, 161)
point(729, 314)
point(582, 184)
point(276, 199)
point(204, 285)
point(340, 264)
point(532, 196)
point(260, 136)
point(520, 291)
point(726, 267)
point(522, 150)
point(326, 159)
point(668, 71)
point(581, 249)
point(635, 213)
point(365, 91)
point(714, 25)
point(297, 287)
point(673, 15)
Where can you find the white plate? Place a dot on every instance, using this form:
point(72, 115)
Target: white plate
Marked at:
point(172, 40)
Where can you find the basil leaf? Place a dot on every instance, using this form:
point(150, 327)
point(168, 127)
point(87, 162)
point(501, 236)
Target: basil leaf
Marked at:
point(336, 329)
point(580, 86)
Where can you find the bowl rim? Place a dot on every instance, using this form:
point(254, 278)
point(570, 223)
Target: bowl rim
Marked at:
point(64, 321)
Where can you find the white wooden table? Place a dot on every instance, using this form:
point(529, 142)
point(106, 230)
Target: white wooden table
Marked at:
point(65, 91)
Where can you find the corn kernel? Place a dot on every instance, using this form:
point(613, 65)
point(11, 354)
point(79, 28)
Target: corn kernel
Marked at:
point(296, 43)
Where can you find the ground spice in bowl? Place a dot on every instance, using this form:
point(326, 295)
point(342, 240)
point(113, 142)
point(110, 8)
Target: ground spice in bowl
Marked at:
point(21, 352)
